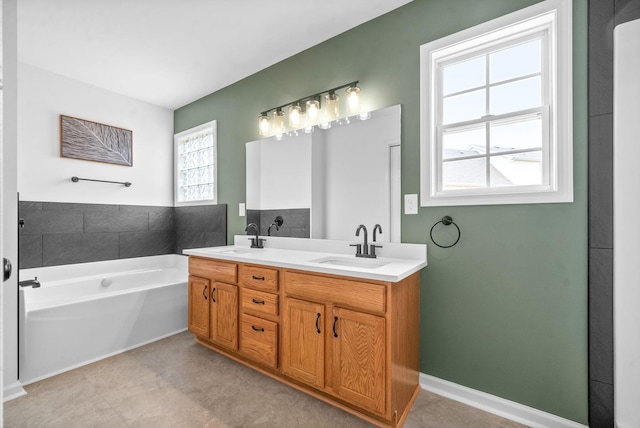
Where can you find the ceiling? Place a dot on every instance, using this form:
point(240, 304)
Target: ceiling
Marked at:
point(172, 52)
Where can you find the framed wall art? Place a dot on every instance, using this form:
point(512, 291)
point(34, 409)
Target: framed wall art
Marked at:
point(91, 141)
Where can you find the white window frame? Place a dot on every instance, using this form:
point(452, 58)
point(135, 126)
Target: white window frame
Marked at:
point(176, 157)
point(552, 18)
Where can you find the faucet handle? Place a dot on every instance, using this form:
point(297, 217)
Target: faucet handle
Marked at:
point(372, 252)
point(358, 248)
point(257, 242)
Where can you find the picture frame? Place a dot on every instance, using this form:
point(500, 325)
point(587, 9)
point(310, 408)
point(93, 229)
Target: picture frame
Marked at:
point(91, 141)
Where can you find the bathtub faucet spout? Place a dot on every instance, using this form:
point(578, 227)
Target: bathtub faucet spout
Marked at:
point(30, 283)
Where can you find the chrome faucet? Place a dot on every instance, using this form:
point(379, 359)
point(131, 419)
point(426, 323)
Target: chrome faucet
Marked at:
point(372, 252)
point(364, 249)
point(279, 221)
point(34, 283)
point(376, 228)
point(269, 229)
point(257, 241)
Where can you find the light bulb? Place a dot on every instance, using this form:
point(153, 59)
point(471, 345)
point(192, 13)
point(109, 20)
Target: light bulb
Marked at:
point(332, 106)
point(295, 113)
point(353, 99)
point(278, 121)
point(313, 110)
point(263, 124)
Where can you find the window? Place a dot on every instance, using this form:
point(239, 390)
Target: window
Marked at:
point(496, 111)
point(196, 166)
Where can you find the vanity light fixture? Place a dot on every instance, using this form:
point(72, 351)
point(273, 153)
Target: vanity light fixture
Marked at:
point(263, 124)
point(332, 103)
point(313, 109)
point(278, 121)
point(295, 113)
point(307, 112)
point(353, 99)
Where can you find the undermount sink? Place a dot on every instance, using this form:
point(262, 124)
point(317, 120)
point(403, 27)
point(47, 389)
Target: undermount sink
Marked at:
point(235, 251)
point(352, 262)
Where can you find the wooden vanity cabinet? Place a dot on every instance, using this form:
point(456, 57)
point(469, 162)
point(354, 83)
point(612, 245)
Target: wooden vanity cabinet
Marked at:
point(351, 342)
point(213, 301)
point(353, 339)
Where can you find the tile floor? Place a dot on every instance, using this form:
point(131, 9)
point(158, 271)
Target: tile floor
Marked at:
point(176, 383)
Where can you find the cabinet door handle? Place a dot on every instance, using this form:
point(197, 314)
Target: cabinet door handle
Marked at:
point(213, 299)
point(335, 321)
point(318, 323)
point(257, 328)
point(258, 278)
point(204, 292)
point(257, 302)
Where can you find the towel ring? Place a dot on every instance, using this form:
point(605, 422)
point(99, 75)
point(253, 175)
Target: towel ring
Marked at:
point(446, 220)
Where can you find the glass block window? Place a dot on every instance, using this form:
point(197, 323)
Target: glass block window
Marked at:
point(496, 111)
point(195, 165)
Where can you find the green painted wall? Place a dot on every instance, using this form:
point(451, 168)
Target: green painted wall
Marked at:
point(505, 310)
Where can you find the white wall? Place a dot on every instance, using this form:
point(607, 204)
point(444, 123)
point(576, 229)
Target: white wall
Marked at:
point(45, 176)
point(626, 238)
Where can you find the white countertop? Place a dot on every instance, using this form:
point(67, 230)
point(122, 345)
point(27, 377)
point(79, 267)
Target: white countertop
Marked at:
point(394, 262)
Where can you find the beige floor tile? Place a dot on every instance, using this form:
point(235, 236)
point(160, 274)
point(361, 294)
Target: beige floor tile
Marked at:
point(175, 382)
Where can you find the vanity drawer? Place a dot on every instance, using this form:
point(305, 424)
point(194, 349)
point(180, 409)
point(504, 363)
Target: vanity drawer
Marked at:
point(259, 340)
point(259, 301)
point(260, 278)
point(214, 269)
point(343, 292)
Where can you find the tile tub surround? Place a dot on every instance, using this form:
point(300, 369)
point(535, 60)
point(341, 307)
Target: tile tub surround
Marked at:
point(65, 233)
point(297, 221)
point(604, 15)
point(162, 384)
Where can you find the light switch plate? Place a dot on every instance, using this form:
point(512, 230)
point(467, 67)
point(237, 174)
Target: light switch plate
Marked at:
point(242, 211)
point(411, 204)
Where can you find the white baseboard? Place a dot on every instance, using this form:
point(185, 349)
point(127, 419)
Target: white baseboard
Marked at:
point(520, 413)
point(12, 391)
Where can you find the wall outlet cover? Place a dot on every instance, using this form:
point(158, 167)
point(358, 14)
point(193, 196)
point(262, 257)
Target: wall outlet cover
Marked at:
point(411, 204)
point(242, 211)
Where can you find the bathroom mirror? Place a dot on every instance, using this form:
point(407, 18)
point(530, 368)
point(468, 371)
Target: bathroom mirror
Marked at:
point(326, 183)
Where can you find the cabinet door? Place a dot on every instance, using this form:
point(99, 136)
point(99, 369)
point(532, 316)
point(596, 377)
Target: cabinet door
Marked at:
point(359, 358)
point(303, 341)
point(223, 328)
point(199, 289)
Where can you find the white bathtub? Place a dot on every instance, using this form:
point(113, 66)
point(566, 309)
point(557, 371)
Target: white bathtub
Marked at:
point(85, 312)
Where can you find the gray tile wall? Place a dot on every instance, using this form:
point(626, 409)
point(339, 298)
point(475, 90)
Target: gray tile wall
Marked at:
point(201, 226)
point(604, 15)
point(66, 233)
point(296, 224)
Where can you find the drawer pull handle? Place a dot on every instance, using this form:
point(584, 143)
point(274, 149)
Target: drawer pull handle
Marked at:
point(204, 292)
point(213, 290)
point(258, 278)
point(318, 323)
point(257, 302)
point(335, 321)
point(257, 328)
